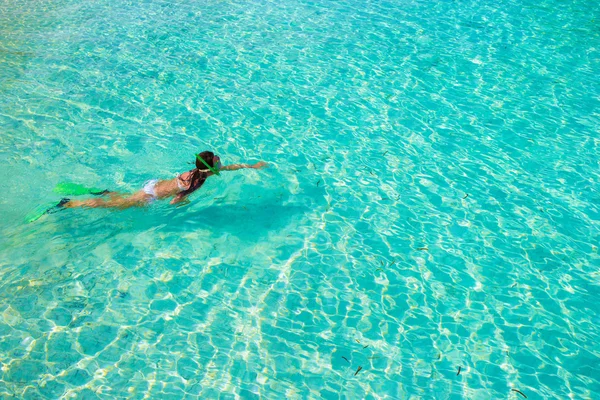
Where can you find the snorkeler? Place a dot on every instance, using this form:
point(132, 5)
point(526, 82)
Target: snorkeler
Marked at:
point(207, 164)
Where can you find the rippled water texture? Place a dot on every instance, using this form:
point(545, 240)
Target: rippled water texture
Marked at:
point(432, 202)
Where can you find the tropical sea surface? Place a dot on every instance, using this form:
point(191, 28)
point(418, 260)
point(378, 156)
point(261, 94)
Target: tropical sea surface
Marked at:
point(428, 227)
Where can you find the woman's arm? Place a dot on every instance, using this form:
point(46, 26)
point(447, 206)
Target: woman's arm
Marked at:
point(179, 198)
point(235, 167)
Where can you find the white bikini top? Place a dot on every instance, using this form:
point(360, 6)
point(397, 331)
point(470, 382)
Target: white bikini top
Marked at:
point(180, 183)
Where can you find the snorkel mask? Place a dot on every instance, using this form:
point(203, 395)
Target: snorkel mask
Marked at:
point(212, 169)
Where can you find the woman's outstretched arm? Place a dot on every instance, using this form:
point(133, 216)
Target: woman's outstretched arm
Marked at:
point(235, 167)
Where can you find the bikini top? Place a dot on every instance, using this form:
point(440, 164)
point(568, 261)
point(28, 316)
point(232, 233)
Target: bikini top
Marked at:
point(180, 183)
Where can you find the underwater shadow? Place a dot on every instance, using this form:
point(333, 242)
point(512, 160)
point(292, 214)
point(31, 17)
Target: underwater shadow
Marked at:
point(245, 221)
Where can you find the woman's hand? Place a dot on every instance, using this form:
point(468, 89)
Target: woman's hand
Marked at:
point(259, 165)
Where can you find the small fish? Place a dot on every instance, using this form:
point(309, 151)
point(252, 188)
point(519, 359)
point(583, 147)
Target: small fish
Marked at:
point(346, 359)
point(439, 356)
point(385, 153)
point(458, 373)
point(364, 347)
point(318, 182)
point(466, 195)
point(518, 391)
point(422, 248)
point(358, 370)
point(357, 341)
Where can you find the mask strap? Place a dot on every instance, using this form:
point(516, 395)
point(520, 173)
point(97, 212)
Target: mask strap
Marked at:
point(214, 171)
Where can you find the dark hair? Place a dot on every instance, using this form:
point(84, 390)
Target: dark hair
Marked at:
point(199, 174)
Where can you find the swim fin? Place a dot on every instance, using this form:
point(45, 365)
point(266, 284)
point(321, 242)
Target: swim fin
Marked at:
point(75, 189)
point(48, 208)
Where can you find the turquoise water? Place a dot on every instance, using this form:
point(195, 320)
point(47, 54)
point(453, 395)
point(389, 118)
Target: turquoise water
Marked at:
point(433, 200)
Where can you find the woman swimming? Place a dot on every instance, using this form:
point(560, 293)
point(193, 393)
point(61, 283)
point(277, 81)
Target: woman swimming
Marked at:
point(207, 164)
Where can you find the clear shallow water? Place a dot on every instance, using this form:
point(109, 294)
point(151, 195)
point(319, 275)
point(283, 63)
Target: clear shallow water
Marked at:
point(378, 119)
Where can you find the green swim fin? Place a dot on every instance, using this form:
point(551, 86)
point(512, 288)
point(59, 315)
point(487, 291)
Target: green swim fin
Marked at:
point(75, 189)
point(44, 209)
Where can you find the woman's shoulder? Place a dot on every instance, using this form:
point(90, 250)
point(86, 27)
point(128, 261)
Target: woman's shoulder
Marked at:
point(184, 175)
point(184, 180)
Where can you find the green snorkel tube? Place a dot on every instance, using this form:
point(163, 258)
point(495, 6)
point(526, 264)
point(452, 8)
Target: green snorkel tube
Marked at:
point(212, 169)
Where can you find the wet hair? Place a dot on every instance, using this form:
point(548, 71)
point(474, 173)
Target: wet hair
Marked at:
point(200, 173)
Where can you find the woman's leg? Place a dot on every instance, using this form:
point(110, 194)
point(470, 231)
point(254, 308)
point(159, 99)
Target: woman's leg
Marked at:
point(121, 201)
